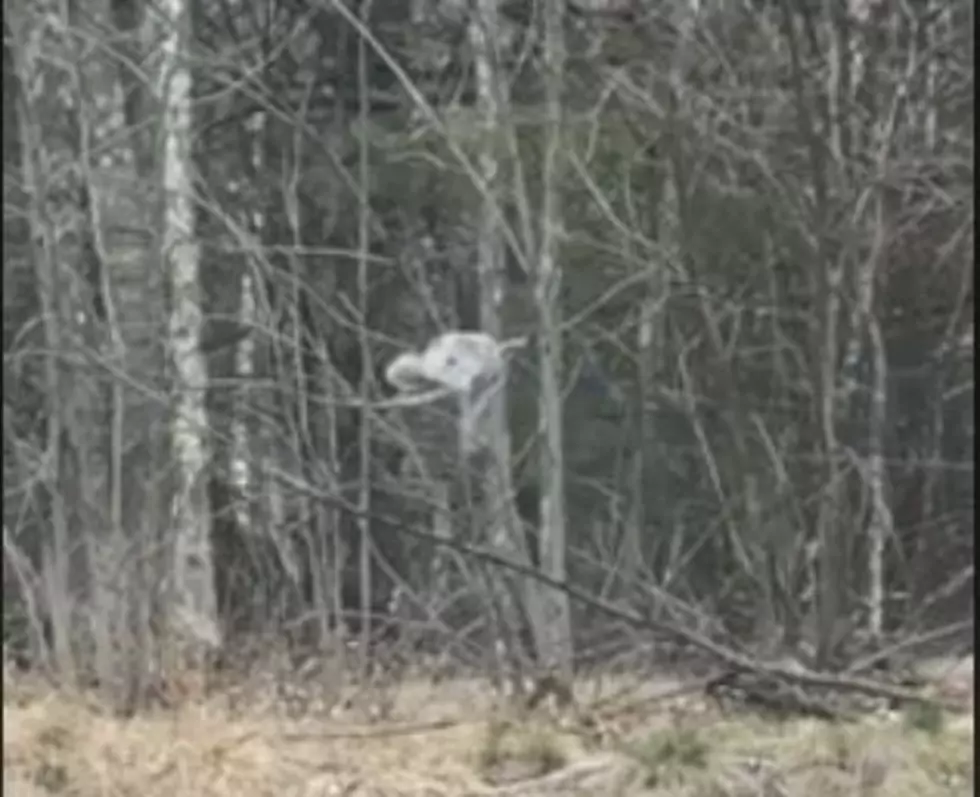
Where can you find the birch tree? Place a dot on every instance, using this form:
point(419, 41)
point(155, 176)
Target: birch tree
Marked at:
point(193, 607)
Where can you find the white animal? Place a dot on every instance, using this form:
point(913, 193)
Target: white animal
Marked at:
point(470, 365)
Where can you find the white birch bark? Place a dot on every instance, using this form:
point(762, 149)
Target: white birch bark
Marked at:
point(240, 456)
point(193, 602)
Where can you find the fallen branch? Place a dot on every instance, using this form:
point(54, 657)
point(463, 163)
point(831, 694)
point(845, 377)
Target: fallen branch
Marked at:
point(727, 656)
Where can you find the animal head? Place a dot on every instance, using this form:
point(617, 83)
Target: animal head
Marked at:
point(457, 359)
point(454, 360)
point(471, 365)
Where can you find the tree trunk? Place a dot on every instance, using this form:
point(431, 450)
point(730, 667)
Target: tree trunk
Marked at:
point(367, 369)
point(504, 522)
point(555, 637)
point(192, 604)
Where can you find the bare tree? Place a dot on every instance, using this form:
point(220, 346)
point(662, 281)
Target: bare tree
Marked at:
point(505, 524)
point(555, 642)
point(103, 319)
point(193, 606)
point(56, 265)
point(367, 369)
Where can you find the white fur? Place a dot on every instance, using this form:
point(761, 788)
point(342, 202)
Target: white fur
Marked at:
point(470, 364)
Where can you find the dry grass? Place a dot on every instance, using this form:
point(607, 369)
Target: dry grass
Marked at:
point(452, 740)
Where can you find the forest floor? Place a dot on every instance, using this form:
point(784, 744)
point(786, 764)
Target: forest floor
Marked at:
point(454, 740)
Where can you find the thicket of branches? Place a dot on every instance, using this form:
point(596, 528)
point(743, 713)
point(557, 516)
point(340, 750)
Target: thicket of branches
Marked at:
point(737, 236)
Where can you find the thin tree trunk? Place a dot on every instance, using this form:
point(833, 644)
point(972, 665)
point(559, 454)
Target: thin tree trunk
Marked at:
point(367, 368)
point(192, 600)
point(86, 417)
point(505, 530)
point(555, 638)
point(52, 292)
point(832, 541)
